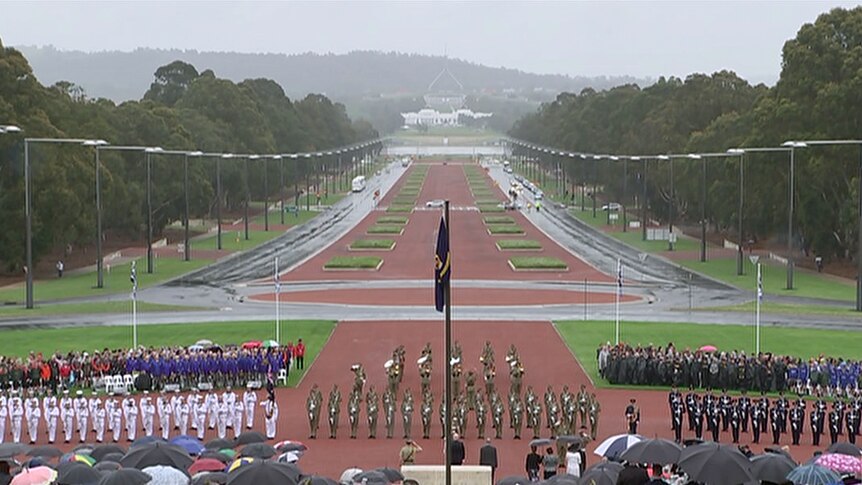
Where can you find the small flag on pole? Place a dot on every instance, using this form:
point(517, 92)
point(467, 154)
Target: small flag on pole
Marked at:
point(133, 277)
point(275, 277)
point(759, 284)
point(619, 276)
point(442, 266)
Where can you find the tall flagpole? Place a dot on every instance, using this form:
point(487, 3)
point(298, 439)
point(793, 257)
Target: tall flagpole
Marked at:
point(277, 291)
point(618, 293)
point(757, 311)
point(448, 343)
point(134, 278)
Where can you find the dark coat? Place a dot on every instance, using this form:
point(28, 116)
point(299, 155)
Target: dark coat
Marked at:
point(457, 452)
point(488, 456)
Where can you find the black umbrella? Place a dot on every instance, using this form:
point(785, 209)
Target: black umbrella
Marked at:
point(293, 446)
point(84, 449)
point(125, 476)
point(562, 479)
point(115, 457)
point(157, 453)
point(692, 442)
point(12, 449)
point(108, 466)
point(216, 456)
point(218, 444)
point(210, 478)
point(604, 473)
point(392, 474)
point(658, 450)
point(541, 442)
point(771, 467)
point(146, 440)
point(715, 464)
point(259, 472)
point(316, 480)
point(78, 474)
point(258, 450)
point(371, 477)
point(45, 452)
point(844, 449)
point(100, 451)
point(249, 437)
point(571, 439)
point(514, 480)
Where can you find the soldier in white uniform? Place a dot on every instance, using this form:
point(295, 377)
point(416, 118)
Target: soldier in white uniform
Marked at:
point(67, 414)
point(110, 404)
point(192, 401)
point(165, 413)
point(17, 416)
point(66, 399)
point(237, 418)
point(270, 413)
point(183, 416)
point(52, 413)
point(50, 400)
point(34, 415)
point(130, 413)
point(200, 411)
point(175, 399)
point(148, 412)
point(160, 411)
point(82, 413)
point(249, 398)
point(30, 401)
point(223, 410)
point(212, 409)
point(99, 415)
point(4, 412)
point(229, 398)
point(94, 402)
point(116, 419)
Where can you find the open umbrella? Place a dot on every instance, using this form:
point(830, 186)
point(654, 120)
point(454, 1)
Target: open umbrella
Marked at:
point(347, 475)
point(252, 344)
point(84, 449)
point(125, 476)
point(268, 344)
point(196, 348)
point(562, 479)
point(316, 480)
point(845, 449)
point(708, 348)
point(215, 455)
point(115, 457)
point(239, 462)
point(12, 449)
point(100, 451)
point(210, 478)
point(514, 480)
point(249, 437)
point(392, 474)
point(771, 467)
point(78, 458)
point(108, 466)
point(145, 440)
point(258, 450)
point(614, 446)
point(41, 475)
point(715, 464)
point(191, 445)
point(156, 454)
point(204, 342)
point(289, 457)
point(78, 474)
point(288, 445)
point(604, 473)
point(218, 444)
point(206, 465)
point(166, 475)
point(812, 474)
point(45, 452)
point(261, 472)
point(371, 477)
point(541, 442)
point(840, 463)
point(658, 450)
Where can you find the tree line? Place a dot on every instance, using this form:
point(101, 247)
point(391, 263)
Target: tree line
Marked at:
point(183, 110)
point(818, 97)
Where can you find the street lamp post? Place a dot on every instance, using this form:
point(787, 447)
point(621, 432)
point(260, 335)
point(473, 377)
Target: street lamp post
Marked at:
point(644, 199)
point(625, 189)
point(187, 250)
point(247, 195)
point(280, 160)
point(226, 156)
point(739, 216)
point(149, 152)
point(595, 159)
point(612, 158)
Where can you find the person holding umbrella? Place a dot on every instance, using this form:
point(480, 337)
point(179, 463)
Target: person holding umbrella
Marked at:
point(550, 463)
point(532, 464)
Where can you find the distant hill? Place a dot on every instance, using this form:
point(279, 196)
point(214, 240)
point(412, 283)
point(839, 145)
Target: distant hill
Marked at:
point(374, 85)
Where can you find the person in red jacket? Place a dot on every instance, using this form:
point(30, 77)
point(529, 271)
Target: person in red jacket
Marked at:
point(299, 353)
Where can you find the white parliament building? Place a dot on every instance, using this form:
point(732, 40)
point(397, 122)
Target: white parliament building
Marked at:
point(443, 107)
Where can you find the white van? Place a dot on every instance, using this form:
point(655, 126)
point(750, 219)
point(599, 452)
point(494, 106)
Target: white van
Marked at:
point(359, 183)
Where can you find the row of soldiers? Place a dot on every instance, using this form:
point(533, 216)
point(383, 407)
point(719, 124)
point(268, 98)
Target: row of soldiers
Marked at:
point(81, 415)
point(561, 414)
point(723, 412)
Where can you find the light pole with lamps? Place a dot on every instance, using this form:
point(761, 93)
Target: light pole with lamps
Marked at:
point(740, 152)
point(596, 158)
point(793, 146)
point(149, 152)
point(28, 210)
point(612, 158)
point(703, 157)
point(187, 250)
point(858, 143)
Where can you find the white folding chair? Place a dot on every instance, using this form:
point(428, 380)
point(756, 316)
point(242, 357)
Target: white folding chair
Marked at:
point(282, 376)
point(128, 382)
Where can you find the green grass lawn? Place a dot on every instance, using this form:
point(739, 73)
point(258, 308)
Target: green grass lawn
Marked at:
point(392, 220)
point(786, 308)
point(805, 283)
point(487, 201)
point(487, 209)
point(401, 200)
point(499, 220)
point(234, 240)
point(386, 244)
point(290, 218)
point(385, 229)
point(634, 238)
point(522, 244)
point(536, 262)
point(585, 337)
point(505, 229)
point(406, 209)
point(85, 308)
point(314, 334)
point(353, 262)
point(116, 281)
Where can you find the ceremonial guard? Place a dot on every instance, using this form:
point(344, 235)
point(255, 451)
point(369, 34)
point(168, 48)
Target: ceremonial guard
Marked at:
point(725, 403)
point(148, 412)
point(334, 406)
point(82, 414)
point(16, 415)
point(249, 399)
point(487, 355)
point(713, 419)
point(516, 375)
point(390, 404)
point(185, 411)
point(200, 411)
point(407, 407)
point(583, 405)
point(797, 422)
point(457, 371)
point(312, 405)
point(459, 415)
point(517, 412)
point(763, 403)
point(354, 404)
point(676, 412)
point(34, 415)
point(99, 416)
point(735, 421)
point(391, 376)
point(497, 411)
point(52, 414)
point(633, 416)
point(358, 379)
point(568, 410)
point(852, 422)
point(470, 388)
point(481, 415)
point(550, 400)
point(696, 415)
point(161, 402)
point(425, 373)
point(92, 404)
point(442, 415)
point(372, 410)
point(816, 419)
point(116, 419)
point(488, 374)
point(835, 422)
point(4, 413)
point(236, 409)
point(744, 403)
point(690, 400)
point(783, 406)
point(426, 409)
point(775, 423)
point(270, 417)
point(223, 411)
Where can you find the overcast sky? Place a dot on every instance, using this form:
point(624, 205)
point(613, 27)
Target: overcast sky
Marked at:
point(639, 38)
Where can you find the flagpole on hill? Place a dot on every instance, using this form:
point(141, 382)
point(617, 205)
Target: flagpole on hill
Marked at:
point(618, 293)
point(443, 302)
point(133, 276)
point(757, 311)
point(277, 291)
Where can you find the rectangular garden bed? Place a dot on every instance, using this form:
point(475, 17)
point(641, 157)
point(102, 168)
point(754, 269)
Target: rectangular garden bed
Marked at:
point(363, 263)
point(498, 220)
point(372, 245)
point(518, 245)
point(504, 229)
point(536, 263)
point(386, 229)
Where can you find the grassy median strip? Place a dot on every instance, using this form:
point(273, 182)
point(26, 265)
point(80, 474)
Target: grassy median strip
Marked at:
point(518, 244)
point(392, 220)
point(499, 220)
point(487, 208)
point(90, 307)
point(385, 244)
point(400, 208)
point(385, 229)
point(536, 262)
point(353, 262)
point(505, 229)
